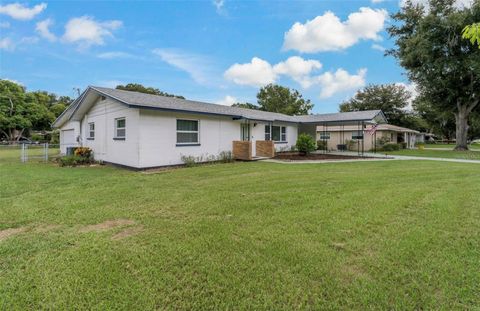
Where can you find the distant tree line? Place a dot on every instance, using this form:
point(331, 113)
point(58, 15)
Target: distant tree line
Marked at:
point(22, 112)
point(135, 87)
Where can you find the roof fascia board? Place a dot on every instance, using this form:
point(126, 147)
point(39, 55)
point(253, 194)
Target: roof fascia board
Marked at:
point(74, 106)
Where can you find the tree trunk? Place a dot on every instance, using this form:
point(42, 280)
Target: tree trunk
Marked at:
point(461, 122)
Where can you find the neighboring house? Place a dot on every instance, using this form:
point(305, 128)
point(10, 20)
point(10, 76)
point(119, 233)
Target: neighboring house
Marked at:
point(142, 130)
point(338, 136)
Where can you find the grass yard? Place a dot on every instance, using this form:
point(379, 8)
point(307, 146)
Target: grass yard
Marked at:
point(450, 154)
point(372, 235)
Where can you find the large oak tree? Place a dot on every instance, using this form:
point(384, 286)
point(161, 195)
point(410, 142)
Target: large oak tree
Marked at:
point(277, 98)
point(392, 99)
point(445, 67)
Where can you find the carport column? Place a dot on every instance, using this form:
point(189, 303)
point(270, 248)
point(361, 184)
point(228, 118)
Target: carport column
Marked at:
point(363, 138)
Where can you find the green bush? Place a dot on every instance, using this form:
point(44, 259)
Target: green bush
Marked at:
point(305, 144)
point(322, 145)
point(391, 147)
point(382, 141)
point(225, 157)
point(189, 161)
point(73, 160)
point(83, 152)
point(37, 137)
point(55, 137)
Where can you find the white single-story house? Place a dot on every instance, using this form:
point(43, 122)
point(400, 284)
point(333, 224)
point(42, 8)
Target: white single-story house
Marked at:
point(142, 131)
point(367, 136)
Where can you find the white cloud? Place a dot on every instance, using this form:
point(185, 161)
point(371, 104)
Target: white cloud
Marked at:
point(86, 31)
point(22, 12)
point(227, 101)
point(14, 81)
point(110, 83)
point(114, 54)
point(219, 5)
point(194, 65)
point(28, 40)
point(412, 88)
point(458, 3)
point(328, 33)
point(378, 47)
point(4, 25)
point(298, 69)
point(340, 81)
point(43, 29)
point(259, 72)
point(255, 73)
point(7, 44)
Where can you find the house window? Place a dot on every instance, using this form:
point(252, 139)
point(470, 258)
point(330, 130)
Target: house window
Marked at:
point(276, 133)
point(91, 131)
point(120, 128)
point(357, 135)
point(267, 132)
point(324, 135)
point(187, 132)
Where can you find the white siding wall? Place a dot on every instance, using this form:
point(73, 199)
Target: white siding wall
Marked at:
point(258, 133)
point(158, 137)
point(103, 113)
point(69, 139)
point(151, 135)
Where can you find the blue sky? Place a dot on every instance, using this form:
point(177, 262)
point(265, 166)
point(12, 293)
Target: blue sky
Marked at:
point(214, 51)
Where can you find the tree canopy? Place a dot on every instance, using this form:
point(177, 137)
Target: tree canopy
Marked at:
point(246, 105)
point(392, 99)
point(445, 67)
point(22, 111)
point(277, 98)
point(135, 87)
point(472, 33)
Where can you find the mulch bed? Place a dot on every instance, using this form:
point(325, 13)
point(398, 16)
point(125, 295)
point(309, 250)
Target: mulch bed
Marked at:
point(295, 156)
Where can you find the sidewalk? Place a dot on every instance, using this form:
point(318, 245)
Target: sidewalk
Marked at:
point(370, 157)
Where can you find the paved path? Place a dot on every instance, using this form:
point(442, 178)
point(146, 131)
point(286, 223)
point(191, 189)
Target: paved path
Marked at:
point(449, 149)
point(376, 158)
point(436, 159)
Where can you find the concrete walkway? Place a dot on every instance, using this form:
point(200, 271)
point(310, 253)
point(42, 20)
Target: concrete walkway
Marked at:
point(373, 157)
point(396, 157)
point(449, 149)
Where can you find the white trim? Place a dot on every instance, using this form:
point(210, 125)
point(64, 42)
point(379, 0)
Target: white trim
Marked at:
point(188, 132)
point(90, 131)
point(116, 128)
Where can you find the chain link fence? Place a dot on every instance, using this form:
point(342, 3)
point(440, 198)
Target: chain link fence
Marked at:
point(29, 152)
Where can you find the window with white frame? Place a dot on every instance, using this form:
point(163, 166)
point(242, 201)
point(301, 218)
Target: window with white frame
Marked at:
point(91, 130)
point(188, 132)
point(120, 128)
point(276, 133)
point(324, 135)
point(357, 135)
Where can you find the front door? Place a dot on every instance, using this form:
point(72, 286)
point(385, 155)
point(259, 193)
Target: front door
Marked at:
point(245, 131)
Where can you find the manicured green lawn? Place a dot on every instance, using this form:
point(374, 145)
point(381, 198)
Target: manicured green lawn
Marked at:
point(375, 235)
point(466, 155)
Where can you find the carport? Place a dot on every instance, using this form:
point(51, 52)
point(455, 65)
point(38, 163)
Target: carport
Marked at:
point(346, 120)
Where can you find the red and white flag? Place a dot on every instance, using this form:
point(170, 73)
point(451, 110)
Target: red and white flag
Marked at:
point(372, 130)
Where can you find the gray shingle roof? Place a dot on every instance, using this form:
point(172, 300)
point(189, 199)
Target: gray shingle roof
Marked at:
point(141, 100)
point(341, 116)
point(177, 104)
